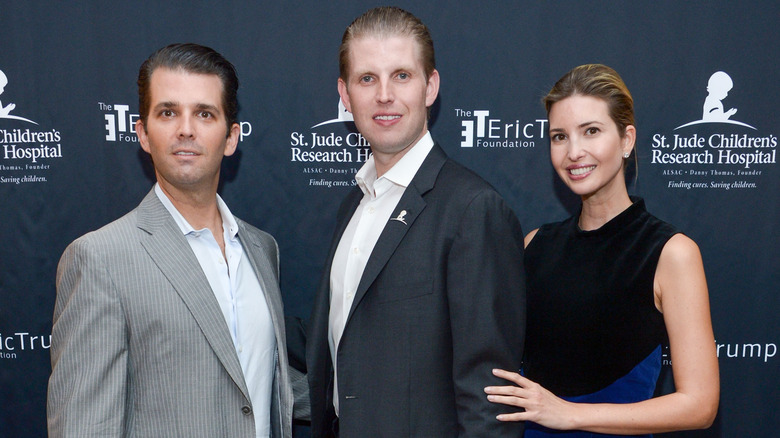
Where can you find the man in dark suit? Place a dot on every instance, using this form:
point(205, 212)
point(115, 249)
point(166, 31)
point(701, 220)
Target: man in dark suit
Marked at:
point(423, 292)
point(168, 321)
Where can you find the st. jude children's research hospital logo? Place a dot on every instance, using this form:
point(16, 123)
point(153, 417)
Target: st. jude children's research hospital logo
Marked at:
point(26, 151)
point(717, 151)
point(331, 152)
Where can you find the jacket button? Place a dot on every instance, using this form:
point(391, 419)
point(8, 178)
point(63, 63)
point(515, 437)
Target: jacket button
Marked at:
point(246, 410)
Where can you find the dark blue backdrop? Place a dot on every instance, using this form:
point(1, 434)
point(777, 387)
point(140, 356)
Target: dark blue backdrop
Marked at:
point(69, 161)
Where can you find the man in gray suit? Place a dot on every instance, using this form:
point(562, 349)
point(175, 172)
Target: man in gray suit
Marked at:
point(168, 322)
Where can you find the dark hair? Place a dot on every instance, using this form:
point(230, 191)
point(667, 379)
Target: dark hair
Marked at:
point(192, 58)
point(388, 21)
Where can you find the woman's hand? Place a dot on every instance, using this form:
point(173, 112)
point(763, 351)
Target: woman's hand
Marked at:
point(540, 405)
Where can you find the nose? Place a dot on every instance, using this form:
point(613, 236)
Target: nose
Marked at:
point(575, 150)
point(384, 92)
point(186, 127)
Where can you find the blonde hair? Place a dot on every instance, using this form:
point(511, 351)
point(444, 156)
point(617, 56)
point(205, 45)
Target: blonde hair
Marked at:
point(599, 81)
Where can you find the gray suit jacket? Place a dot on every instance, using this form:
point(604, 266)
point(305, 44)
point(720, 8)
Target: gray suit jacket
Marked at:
point(139, 345)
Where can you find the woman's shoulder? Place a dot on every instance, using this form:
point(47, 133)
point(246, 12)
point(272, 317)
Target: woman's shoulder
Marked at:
point(680, 250)
point(547, 230)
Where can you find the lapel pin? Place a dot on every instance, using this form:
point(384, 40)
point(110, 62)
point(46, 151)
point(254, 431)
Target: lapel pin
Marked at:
point(400, 217)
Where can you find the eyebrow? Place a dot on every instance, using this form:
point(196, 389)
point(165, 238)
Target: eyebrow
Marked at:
point(199, 107)
point(209, 107)
point(168, 104)
point(370, 72)
point(581, 125)
point(592, 122)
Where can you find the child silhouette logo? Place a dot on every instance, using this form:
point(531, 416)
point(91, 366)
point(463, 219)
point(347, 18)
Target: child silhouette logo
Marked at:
point(718, 88)
point(5, 110)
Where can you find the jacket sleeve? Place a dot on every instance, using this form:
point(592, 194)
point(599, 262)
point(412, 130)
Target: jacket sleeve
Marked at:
point(486, 291)
point(88, 384)
point(296, 354)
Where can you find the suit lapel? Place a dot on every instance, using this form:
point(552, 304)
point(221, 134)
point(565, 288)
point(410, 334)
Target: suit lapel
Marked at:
point(169, 250)
point(412, 203)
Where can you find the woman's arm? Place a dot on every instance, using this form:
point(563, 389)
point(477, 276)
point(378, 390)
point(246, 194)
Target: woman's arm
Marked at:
point(529, 237)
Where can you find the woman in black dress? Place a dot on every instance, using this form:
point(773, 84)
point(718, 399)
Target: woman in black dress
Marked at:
point(606, 287)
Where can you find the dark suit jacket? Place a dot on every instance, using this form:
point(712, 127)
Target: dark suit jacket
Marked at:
point(441, 302)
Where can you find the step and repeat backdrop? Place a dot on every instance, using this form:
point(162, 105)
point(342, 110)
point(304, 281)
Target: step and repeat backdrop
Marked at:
point(70, 161)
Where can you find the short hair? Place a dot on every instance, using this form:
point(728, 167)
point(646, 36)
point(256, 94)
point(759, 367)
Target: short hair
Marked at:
point(191, 58)
point(388, 21)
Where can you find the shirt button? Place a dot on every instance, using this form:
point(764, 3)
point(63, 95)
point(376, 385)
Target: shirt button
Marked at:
point(246, 410)
point(371, 210)
point(355, 251)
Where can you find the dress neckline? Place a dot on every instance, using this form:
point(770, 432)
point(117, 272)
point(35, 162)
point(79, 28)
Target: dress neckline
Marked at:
point(624, 218)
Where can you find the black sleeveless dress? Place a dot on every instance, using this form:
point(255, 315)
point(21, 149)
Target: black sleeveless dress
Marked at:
point(594, 334)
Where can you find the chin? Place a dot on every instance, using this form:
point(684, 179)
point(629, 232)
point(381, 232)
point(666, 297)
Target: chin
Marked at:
point(579, 189)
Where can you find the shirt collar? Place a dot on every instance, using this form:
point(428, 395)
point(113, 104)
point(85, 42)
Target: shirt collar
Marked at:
point(400, 174)
point(228, 221)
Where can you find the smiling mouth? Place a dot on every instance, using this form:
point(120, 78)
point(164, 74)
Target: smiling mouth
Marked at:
point(387, 117)
point(581, 170)
point(185, 153)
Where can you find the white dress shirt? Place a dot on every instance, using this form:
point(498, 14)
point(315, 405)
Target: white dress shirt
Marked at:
point(380, 197)
point(243, 305)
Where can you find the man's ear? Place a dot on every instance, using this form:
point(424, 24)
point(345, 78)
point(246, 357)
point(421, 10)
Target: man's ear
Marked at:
point(232, 139)
point(140, 131)
point(344, 94)
point(432, 88)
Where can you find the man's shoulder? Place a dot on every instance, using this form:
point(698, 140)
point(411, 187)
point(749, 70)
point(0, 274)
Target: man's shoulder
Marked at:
point(453, 174)
point(111, 230)
point(112, 241)
point(149, 206)
point(456, 177)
